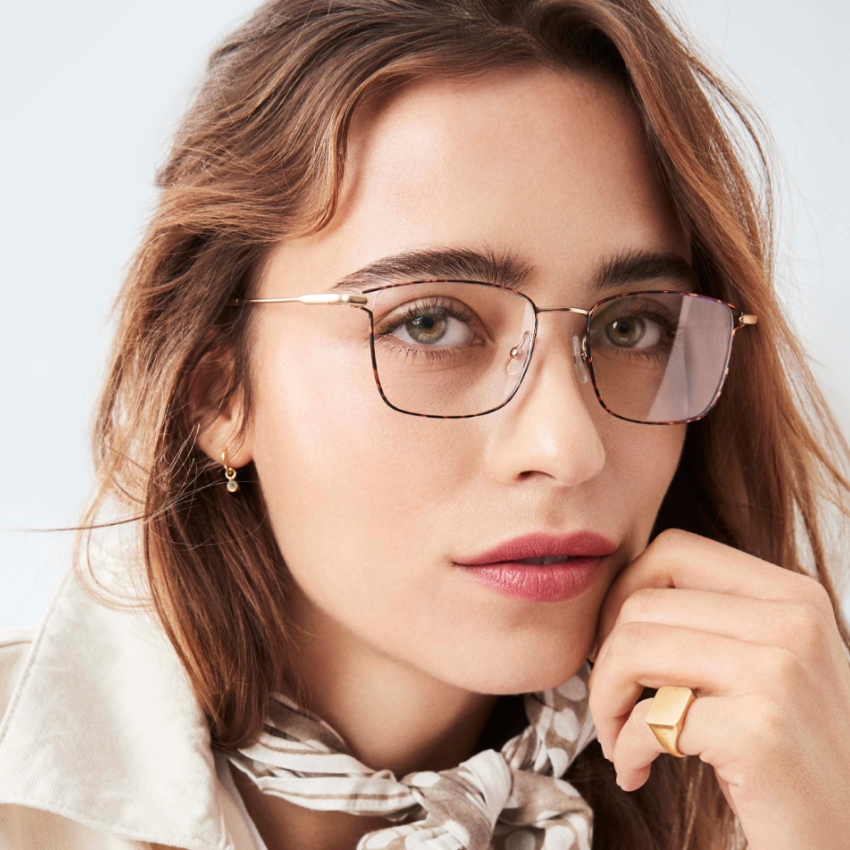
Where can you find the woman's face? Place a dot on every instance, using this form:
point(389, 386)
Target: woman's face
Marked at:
point(373, 508)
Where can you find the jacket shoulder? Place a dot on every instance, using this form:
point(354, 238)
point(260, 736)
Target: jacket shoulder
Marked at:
point(23, 828)
point(15, 646)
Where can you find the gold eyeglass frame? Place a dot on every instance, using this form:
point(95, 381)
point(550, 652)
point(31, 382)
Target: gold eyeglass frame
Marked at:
point(360, 300)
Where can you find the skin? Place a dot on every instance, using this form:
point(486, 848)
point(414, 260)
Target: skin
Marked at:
point(760, 648)
point(404, 653)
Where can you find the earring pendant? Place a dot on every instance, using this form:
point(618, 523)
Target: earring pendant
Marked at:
point(230, 474)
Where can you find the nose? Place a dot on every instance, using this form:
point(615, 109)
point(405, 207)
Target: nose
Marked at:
point(547, 427)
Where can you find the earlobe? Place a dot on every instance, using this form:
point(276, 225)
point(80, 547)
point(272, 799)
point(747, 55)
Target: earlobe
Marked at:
point(218, 409)
point(222, 432)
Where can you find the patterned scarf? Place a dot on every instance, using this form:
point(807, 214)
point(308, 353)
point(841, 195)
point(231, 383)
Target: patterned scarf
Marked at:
point(510, 800)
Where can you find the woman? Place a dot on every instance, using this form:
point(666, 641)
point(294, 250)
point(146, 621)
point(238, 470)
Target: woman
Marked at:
point(324, 413)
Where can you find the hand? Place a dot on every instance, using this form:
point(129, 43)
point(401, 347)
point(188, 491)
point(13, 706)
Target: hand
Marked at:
point(760, 647)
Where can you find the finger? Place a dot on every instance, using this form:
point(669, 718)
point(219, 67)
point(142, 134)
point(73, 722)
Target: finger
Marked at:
point(637, 747)
point(794, 625)
point(719, 730)
point(680, 559)
point(653, 654)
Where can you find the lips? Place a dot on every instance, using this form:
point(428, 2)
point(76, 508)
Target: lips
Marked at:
point(504, 568)
point(579, 544)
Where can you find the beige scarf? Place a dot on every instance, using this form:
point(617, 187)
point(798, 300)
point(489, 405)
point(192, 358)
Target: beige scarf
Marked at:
point(508, 800)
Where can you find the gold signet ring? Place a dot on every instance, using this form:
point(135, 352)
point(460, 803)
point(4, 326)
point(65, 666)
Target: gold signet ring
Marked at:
point(666, 716)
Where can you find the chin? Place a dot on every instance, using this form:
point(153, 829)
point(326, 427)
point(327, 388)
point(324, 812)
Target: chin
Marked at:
point(518, 678)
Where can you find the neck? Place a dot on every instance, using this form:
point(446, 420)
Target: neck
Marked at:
point(390, 714)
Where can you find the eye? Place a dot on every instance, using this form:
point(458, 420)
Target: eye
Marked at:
point(633, 332)
point(438, 322)
point(643, 324)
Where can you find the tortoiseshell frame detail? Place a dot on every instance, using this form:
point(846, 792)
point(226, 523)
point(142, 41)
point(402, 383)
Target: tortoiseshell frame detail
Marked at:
point(358, 301)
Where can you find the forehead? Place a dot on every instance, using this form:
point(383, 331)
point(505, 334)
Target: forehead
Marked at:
point(548, 164)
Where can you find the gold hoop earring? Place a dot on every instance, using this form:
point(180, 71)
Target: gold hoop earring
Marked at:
point(229, 474)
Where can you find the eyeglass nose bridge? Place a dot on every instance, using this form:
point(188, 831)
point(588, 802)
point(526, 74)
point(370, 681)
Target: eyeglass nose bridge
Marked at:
point(580, 359)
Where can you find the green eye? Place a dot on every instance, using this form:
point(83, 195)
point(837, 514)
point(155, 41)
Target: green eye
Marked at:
point(629, 331)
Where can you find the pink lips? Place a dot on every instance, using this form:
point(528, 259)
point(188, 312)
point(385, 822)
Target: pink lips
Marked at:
point(498, 567)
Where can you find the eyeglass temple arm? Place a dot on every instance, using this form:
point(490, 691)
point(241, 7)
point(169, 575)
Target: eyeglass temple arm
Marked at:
point(348, 298)
point(304, 299)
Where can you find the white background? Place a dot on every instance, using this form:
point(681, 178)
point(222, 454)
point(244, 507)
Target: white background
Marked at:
point(91, 91)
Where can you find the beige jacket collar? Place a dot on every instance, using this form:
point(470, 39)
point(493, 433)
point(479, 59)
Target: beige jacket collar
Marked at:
point(103, 728)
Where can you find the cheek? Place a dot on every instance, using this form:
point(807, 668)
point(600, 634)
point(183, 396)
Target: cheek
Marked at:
point(356, 491)
point(641, 461)
point(364, 500)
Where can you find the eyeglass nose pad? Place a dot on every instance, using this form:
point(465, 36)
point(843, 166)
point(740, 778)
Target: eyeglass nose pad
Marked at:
point(579, 358)
point(518, 353)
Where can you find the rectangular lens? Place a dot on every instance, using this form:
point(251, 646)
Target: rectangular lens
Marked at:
point(450, 348)
point(660, 357)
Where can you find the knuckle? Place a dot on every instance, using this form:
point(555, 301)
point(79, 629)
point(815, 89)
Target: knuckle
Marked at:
point(817, 595)
point(802, 629)
point(674, 538)
point(627, 639)
point(766, 722)
point(778, 665)
point(639, 714)
point(596, 706)
point(638, 604)
point(636, 729)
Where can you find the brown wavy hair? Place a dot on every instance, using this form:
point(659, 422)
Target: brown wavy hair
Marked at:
point(259, 157)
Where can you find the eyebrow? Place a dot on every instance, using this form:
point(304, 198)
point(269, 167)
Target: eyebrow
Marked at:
point(637, 265)
point(452, 263)
point(510, 270)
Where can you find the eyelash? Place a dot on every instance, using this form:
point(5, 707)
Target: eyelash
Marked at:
point(449, 308)
point(655, 315)
point(429, 305)
point(659, 316)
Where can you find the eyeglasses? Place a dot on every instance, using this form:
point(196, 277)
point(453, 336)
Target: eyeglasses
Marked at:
point(452, 349)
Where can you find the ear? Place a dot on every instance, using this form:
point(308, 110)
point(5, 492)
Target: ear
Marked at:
point(217, 409)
